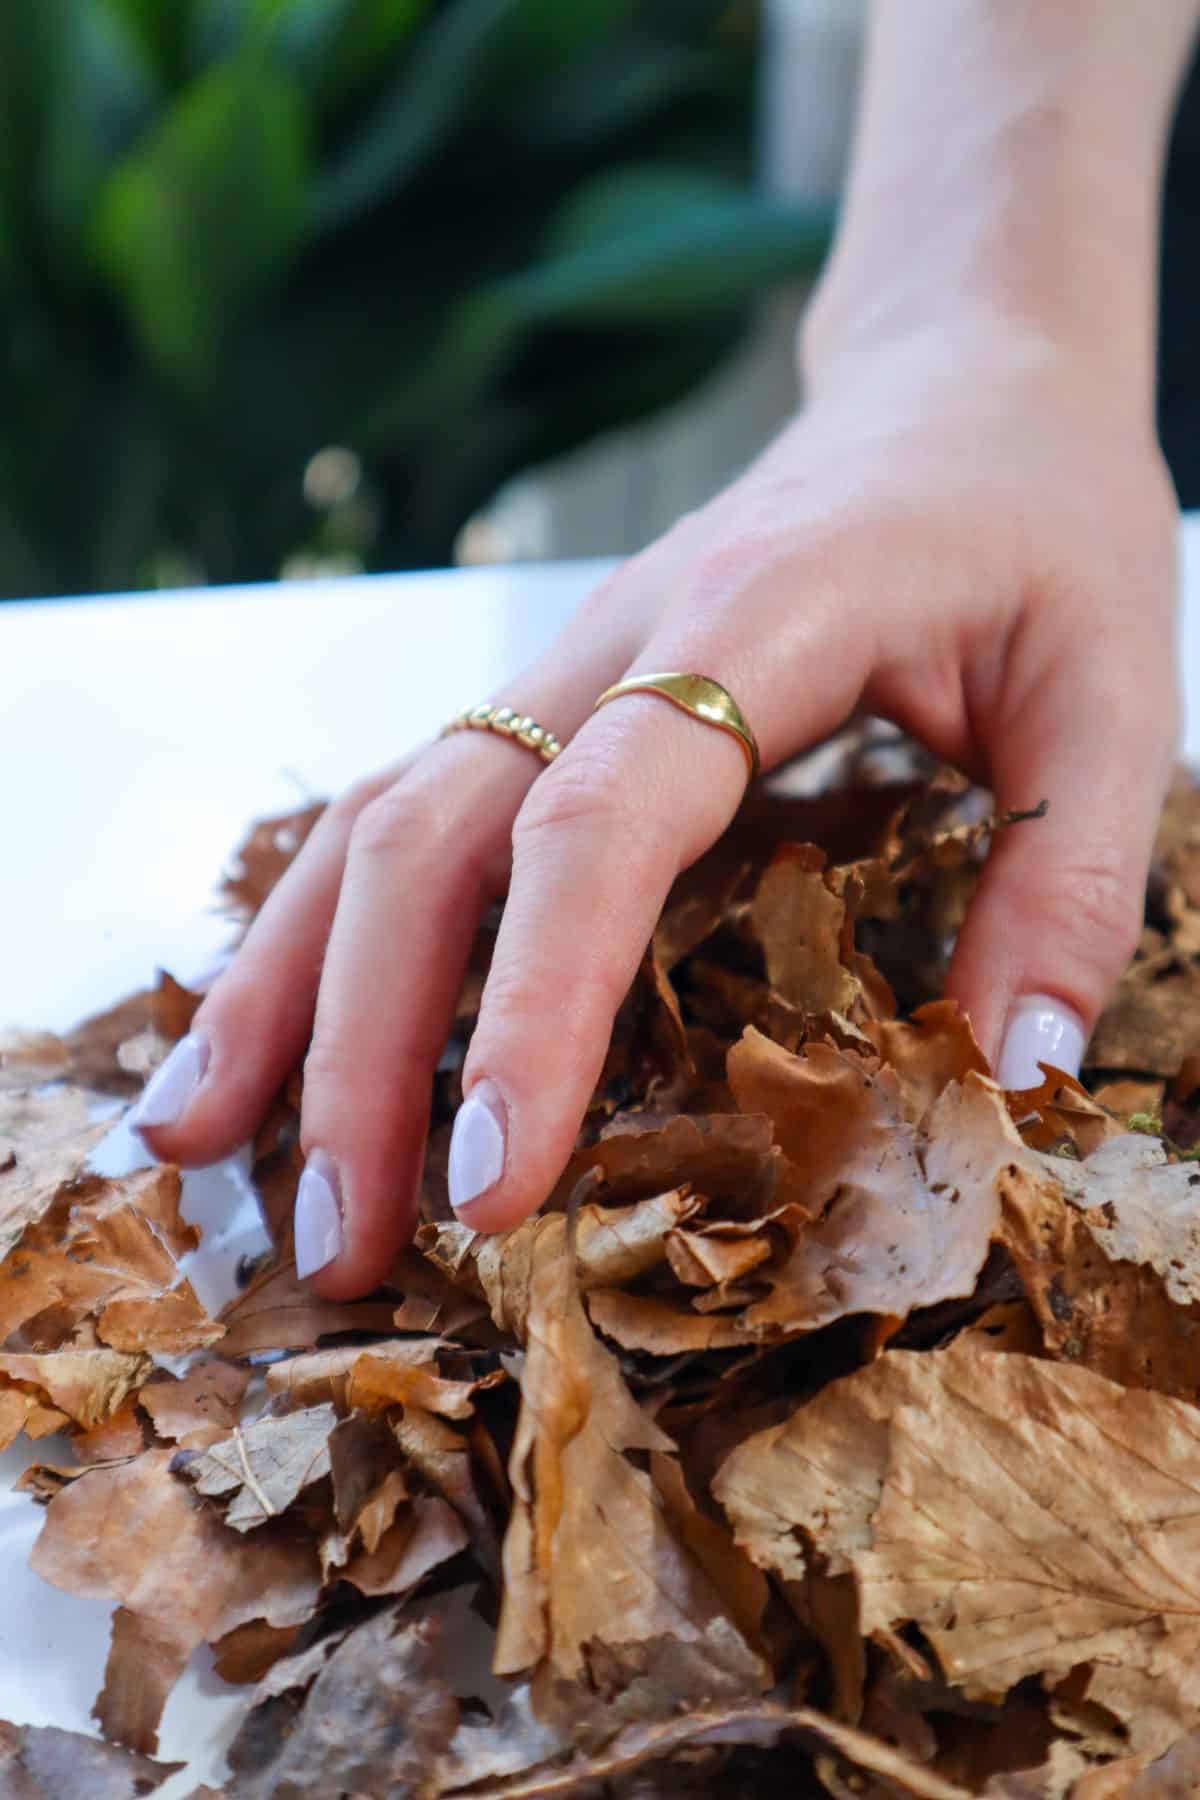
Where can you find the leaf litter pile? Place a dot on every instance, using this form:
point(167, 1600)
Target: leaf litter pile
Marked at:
point(833, 1428)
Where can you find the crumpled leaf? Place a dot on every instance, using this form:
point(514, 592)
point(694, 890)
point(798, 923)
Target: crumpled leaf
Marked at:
point(324, 1374)
point(133, 1533)
point(1142, 1209)
point(45, 1137)
point(1026, 1516)
point(908, 1211)
point(105, 1251)
point(85, 1386)
point(264, 857)
point(366, 1713)
point(726, 1156)
point(587, 1522)
point(264, 1466)
point(39, 1762)
point(1114, 1317)
point(801, 917)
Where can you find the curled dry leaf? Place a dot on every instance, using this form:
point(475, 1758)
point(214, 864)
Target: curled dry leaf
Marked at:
point(587, 1521)
point(105, 1252)
point(908, 1211)
point(325, 1374)
point(85, 1386)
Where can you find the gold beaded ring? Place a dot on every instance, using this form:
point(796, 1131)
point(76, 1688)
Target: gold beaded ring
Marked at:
point(505, 721)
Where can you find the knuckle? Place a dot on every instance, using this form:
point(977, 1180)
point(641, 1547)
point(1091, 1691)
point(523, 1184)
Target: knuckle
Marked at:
point(576, 793)
point(355, 799)
point(326, 1065)
point(1097, 905)
point(584, 1005)
point(401, 819)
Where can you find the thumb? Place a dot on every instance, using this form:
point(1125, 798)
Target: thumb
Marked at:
point(1059, 907)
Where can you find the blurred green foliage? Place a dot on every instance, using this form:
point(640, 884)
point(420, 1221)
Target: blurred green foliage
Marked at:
point(455, 236)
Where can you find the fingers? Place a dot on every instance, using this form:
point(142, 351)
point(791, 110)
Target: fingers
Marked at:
point(423, 861)
point(250, 1030)
point(640, 792)
point(1059, 906)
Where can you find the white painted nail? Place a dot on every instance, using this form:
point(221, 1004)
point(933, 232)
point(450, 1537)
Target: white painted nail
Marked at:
point(1040, 1029)
point(476, 1145)
point(168, 1093)
point(318, 1218)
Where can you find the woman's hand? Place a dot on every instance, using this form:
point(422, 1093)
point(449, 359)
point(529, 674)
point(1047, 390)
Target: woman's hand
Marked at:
point(969, 533)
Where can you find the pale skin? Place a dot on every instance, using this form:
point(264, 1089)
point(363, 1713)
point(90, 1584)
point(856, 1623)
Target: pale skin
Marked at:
point(968, 530)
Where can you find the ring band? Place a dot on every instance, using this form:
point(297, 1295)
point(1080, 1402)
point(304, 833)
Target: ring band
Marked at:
point(705, 699)
point(505, 721)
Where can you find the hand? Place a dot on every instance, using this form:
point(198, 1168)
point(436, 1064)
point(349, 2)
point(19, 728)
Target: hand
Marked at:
point(965, 533)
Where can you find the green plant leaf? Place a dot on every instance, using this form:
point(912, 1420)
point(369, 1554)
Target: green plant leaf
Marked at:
point(648, 244)
point(203, 215)
point(328, 45)
point(433, 91)
point(163, 28)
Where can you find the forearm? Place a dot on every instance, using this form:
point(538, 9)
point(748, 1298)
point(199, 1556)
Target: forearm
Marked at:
point(1008, 162)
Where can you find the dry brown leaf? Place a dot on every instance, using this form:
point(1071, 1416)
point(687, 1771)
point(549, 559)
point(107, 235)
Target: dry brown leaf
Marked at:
point(1175, 1775)
point(909, 1212)
point(278, 1312)
point(378, 1382)
point(353, 1734)
point(661, 1327)
point(1114, 1317)
point(443, 1457)
point(105, 1250)
point(86, 1386)
point(761, 1726)
point(264, 857)
point(135, 1534)
point(612, 1244)
point(799, 920)
point(45, 1138)
point(1140, 1208)
point(159, 1017)
point(1060, 1114)
point(1152, 1021)
point(587, 1522)
point(427, 1534)
point(39, 1762)
point(264, 1466)
point(725, 1156)
point(1026, 1516)
point(928, 1051)
point(198, 1408)
point(324, 1374)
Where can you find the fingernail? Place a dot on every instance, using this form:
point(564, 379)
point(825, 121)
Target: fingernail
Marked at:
point(476, 1145)
point(1039, 1030)
point(168, 1093)
point(318, 1217)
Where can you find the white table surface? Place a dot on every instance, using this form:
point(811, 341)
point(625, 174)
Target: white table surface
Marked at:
point(138, 737)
